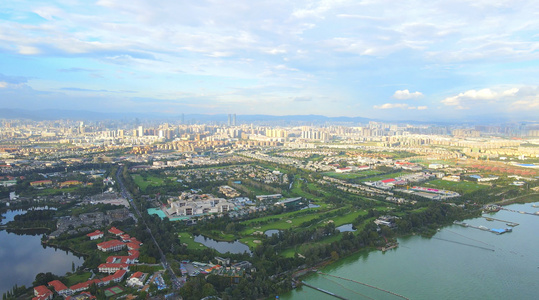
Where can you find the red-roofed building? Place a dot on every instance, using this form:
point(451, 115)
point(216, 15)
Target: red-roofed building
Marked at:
point(95, 235)
point(59, 287)
point(116, 231)
point(343, 170)
point(111, 268)
point(84, 285)
point(118, 276)
point(41, 182)
point(137, 279)
point(133, 246)
point(389, 180)
point(109, 246)
point(42, 293)
point(125, 237)
point(133, 254)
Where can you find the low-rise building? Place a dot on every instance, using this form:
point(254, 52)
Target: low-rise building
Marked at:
point(137, 279)
point(42, 293)
point(112, 267)
point(95, 235)
point(110, 246)
point(59, 287)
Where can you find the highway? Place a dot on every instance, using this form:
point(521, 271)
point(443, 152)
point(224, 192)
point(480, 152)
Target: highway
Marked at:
point(176, 285)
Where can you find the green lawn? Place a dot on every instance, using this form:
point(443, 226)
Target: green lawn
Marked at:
point(348, 218)
point(387, 176)
point(284, 223)
point(143, 183)
point(351, 175)
point(187, 238)
point(250, 241)
point(461, 187)
point(77, 278)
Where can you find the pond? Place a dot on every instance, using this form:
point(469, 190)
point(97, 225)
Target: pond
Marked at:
point(223, 247)
point(346, 228)
point(25, 257)
point(271, 232)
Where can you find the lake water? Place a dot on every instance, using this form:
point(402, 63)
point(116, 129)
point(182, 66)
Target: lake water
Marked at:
point(271, 232)
point(346, 228)
point(222, 247)
point(457, 263)
point(22, 257)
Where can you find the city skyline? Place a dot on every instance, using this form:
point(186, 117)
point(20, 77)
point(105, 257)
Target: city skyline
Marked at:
point(436, 61)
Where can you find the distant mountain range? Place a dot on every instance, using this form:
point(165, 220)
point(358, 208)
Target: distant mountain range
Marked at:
point(55, 114)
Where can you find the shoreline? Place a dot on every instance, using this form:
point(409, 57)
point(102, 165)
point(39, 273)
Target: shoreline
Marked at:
point(367, 250)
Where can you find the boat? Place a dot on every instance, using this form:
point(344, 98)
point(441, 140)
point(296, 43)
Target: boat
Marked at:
point(483, 227)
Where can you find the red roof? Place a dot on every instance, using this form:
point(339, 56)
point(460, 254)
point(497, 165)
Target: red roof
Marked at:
point(137, 274)
point(110, 244)
point(133, 253)
point(388, 180)
point(41, 290)
point(115, 231)
point(58, 285)
point(118, 274)
point(133, 246)
point(84, 285)
point(97, 232)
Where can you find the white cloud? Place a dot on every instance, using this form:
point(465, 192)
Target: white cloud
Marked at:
point(469, 97)
point(405, 95)
point(391, 105)
point(3, 84)
point(28, 50)
point(506, 98)
point(399, 105)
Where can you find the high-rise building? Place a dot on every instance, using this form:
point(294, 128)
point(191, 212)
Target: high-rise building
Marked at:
point(234, 120)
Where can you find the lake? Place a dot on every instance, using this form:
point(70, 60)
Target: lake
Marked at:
point(457, 263)
point(22, 257)
point(223, 247)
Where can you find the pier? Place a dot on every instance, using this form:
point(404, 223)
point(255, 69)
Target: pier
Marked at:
point(484, 228)
point(365, 284)
point(509, 223)
point(323, 291)
point(521, 212)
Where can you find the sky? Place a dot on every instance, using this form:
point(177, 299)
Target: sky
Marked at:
point(412, 60)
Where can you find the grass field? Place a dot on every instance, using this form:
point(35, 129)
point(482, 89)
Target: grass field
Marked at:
point(187, 238)
point(77, 278)
point(143, 183)
point(351, 175)
point(283, 223)
point(348, 218)
point(301, 248)
point(387, 176)
point(461, 187)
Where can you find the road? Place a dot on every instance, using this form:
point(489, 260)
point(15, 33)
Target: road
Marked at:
point(175, 281)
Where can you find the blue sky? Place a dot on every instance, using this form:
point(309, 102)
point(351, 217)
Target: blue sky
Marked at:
point(423, 60)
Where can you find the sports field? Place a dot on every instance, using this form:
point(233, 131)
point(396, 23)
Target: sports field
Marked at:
point(115, 290)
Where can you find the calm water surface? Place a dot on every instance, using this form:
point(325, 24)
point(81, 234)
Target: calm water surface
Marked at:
point(222, 247)
point(22, 257)
point(457, 263)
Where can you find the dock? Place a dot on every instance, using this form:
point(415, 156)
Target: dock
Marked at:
point(324, 291)
point(522, 212)
point(484, 228)
point(509, 223)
